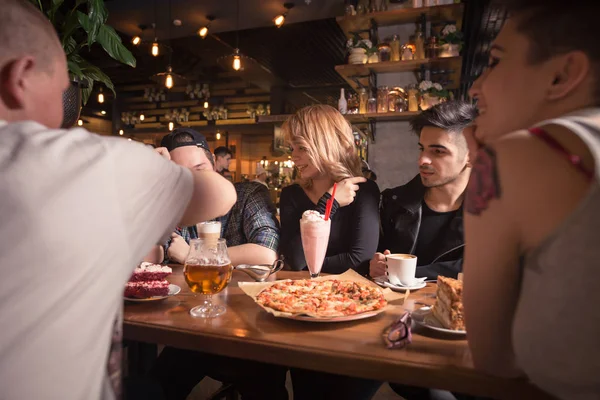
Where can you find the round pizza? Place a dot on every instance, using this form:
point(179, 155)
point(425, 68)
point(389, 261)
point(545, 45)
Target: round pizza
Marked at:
point(327, 298)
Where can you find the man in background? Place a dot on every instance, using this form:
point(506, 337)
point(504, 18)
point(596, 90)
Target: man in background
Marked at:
point(261, 176)
point(222, 159)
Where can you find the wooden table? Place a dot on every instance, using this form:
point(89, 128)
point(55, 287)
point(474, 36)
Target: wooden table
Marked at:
point(350, 348)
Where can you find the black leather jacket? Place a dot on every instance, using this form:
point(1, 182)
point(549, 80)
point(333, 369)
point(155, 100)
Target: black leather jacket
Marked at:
point(400, 223)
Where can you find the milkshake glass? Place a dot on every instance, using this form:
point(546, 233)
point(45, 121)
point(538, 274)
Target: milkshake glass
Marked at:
point(314, 231)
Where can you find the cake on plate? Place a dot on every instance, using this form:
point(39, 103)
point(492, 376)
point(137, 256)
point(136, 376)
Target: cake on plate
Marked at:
point(448, 307)
point(148, 280)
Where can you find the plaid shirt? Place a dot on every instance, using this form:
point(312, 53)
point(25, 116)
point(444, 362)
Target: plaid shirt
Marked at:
point(252, 219)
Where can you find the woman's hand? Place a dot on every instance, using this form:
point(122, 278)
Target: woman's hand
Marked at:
point(345, 191)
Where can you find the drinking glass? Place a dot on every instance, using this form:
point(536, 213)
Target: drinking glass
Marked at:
point(315, 237)
point(207, 271)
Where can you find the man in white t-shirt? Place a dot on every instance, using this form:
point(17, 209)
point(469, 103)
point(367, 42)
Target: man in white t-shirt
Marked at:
point(77, 213)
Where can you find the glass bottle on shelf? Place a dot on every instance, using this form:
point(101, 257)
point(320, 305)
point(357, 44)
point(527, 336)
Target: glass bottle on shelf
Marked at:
point(342, 102)
point(353, 104)
point(432, 47)
point(413, 99)
point(363, 98)
point(372, 105)
point(385, 52)
point(419, 44)
point(382, 99)
point(395, 46)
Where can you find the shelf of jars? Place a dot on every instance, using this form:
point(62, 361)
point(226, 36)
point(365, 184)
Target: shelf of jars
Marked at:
point(352, 118)
point(364, 22)
point(358, 75)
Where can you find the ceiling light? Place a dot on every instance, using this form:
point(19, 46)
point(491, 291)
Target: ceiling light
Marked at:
point(136, 40)
point(203, 32)
point(100, 97)
point(103, 112)
point(142, 117)
point(80, 122)
point(218, 136)
point(169, 81)
point(237, 61)
point(121, 132)
point(206, 104)
point(155, 49)
point(129, 139)
point(171, 126)
point(280, 19)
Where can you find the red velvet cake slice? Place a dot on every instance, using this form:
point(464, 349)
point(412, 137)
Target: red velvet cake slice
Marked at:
point(147, 289)
point(150, 272)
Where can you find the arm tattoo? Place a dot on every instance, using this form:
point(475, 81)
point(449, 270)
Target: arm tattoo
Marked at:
point(483, 183)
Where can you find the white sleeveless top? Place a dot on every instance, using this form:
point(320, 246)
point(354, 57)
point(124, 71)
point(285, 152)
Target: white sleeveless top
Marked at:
point(556, 330)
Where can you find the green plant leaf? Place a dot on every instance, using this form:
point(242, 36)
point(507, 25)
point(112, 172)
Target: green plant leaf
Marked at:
point(69, 27)
point(70, 46)
point(38, 4)
point(97, 14)
point(110, 41)
point(74, 69)
point(86, 91)
point(97, 75)
point(52, 12)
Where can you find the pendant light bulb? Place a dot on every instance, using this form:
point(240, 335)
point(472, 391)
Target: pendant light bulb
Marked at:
point(206, 104)
point(279, 20)
point(237, 60)
point(171, 126)
point(80, 122)
point(121, 132)
point(203, 32)
point(155, 49)
point(136, 40)
point(142, 117)
point(218, 136)
point(169, 81)
point(100, 97)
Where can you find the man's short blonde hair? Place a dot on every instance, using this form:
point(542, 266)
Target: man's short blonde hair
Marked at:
point(25, 31)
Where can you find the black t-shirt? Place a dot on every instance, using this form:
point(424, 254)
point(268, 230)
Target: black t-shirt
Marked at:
point(354, 230)
point(431, 233)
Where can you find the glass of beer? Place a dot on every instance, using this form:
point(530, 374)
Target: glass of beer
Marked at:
point(207, 271)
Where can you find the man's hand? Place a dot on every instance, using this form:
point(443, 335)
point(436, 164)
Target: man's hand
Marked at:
point(377, 264)
point(345, 191)
point(179, 249)
point(163, 152)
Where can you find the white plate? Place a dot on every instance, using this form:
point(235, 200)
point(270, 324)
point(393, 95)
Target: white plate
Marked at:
point(424, 317)
point(344, 318)
point(173, 290)
point(383, 282)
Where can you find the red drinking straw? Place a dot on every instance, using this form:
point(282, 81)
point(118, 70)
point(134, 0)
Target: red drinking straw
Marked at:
point(329, 204)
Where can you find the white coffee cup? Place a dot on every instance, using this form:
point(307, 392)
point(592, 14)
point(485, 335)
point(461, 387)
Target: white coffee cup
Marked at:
point(401, 269)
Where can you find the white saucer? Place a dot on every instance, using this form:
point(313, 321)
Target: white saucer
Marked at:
point(424, 317)
point(383, 282)
point(173, 290)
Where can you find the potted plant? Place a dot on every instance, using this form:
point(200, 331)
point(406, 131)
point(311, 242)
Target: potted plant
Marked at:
point(78, 27)
point(360, 49)
point(451, 41)
point(432, 94)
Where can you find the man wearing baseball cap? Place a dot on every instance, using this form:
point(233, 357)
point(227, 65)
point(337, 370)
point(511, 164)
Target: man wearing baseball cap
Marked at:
point(252, 233)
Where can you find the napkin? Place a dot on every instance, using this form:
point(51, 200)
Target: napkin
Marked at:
point(398, 335)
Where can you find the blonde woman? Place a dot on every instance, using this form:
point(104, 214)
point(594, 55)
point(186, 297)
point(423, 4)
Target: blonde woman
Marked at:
point(323, 151)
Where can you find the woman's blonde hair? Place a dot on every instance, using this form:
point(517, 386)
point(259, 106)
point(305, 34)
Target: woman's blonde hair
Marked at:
point(328, 140)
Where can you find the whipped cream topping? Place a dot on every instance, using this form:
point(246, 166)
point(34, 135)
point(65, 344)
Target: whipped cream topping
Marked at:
point(312, 216)
point(149, 267)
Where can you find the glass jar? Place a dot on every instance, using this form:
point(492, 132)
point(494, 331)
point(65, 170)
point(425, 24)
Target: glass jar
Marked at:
point(395, 46)
point(432, 47)
point(353, 104)
point(382, 99)
point(372, 105)
point(363, 98)
point(413, 99)
point(397, 100)
point(407, 52)
point(385, 52)
point(419, 44)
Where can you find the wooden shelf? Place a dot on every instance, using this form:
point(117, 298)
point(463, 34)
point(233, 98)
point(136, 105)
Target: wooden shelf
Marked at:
point(360, 72)
point(450, 12)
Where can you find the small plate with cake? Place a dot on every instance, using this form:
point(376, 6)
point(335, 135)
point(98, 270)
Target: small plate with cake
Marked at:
point(446, 315)
point(148, 283)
